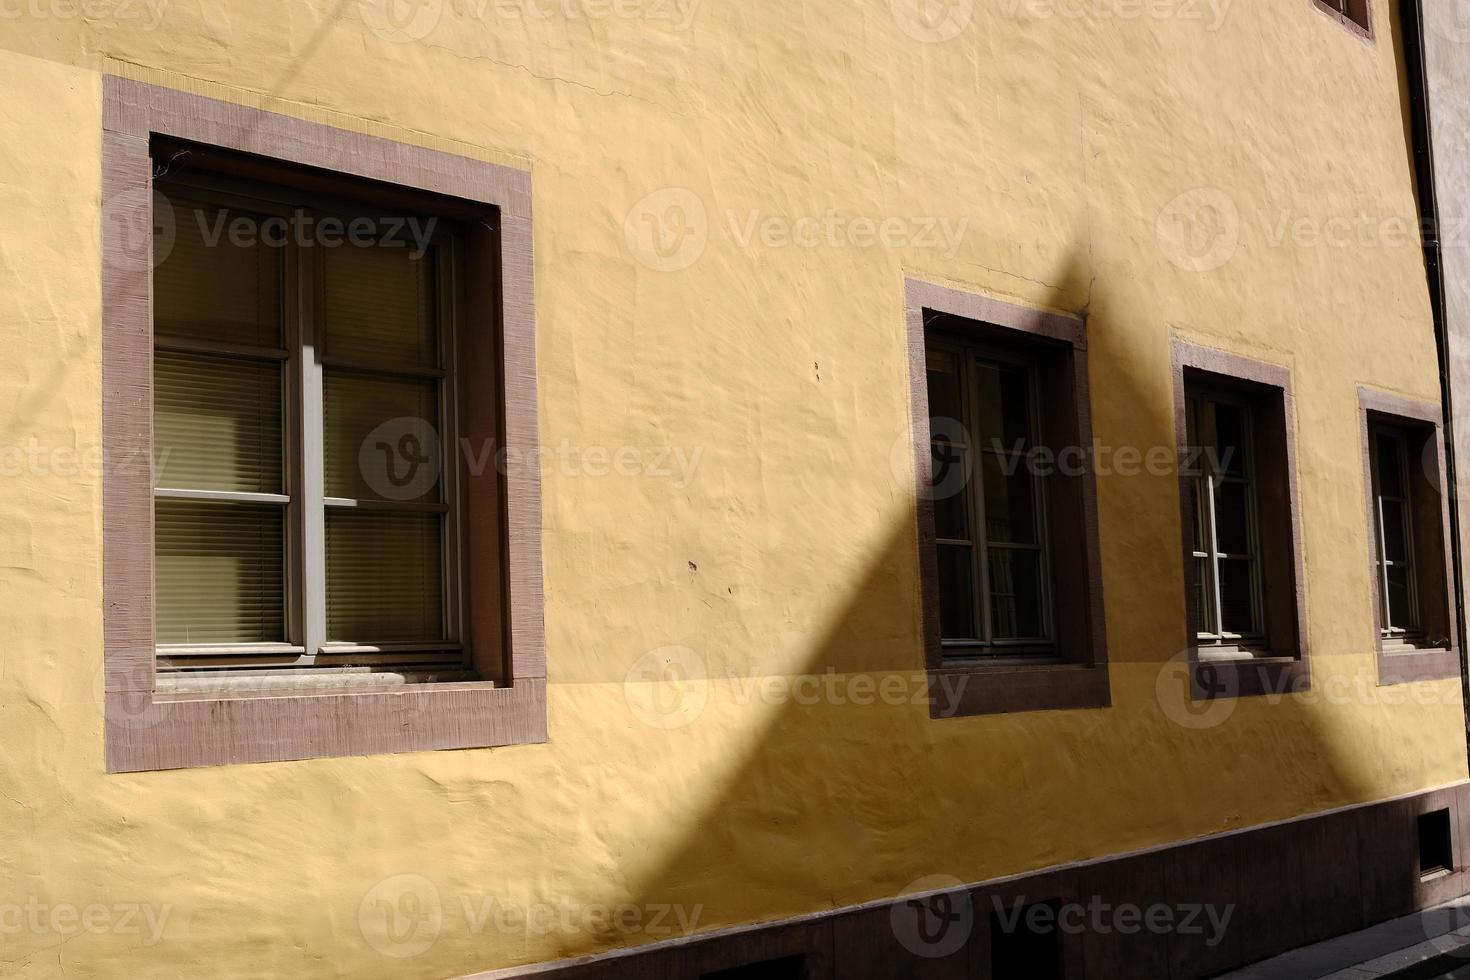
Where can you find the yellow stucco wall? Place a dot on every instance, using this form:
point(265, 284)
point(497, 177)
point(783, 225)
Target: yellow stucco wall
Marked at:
point(1059, 143)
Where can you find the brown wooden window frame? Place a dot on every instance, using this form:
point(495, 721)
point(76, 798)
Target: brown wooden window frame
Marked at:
point(149, 726)
point(1431, 650)
point(1072, 671)
point(1355, 16)
point(1275, 660)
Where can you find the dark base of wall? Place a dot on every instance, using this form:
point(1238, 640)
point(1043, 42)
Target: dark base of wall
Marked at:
point(1282, 885)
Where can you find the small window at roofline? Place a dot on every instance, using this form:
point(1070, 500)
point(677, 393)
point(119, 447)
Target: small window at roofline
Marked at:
point(1355, 12)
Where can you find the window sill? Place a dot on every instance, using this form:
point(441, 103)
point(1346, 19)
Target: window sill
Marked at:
point(296, 683)
point(149, 730)
point(985, 686)
point(1400, 662)
point(1240, 672)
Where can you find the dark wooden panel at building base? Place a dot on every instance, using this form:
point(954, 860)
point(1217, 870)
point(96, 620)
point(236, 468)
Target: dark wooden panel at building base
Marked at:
point(1174, 913)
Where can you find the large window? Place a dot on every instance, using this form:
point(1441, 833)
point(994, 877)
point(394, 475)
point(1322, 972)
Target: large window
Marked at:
point(989, 506)
point(317, 349)
point(1006, 505)
point(307, 493)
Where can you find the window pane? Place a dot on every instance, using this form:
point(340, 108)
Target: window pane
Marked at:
point(1015, 594)
point(1191, 440)
point(1010, 513)
point(1237, 609)
point(1395, 542)
point(1390, 482)
point(1204, 599)
point(956, 593)
point(1400, 607)
point(220, 572)
point(381, 437)
point(217, 423)
point(384, 576)
point(1230, 444)
point(217, 279)
point(1004, 410)
point(1232, 518)
point(950, 517)
point(380, 304)
point(1201, 514)
point(944, 385)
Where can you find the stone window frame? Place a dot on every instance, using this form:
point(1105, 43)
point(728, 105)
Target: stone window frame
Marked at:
point(1288, 670)
point(146, 729)
point(1432, 663)
point(1078, 677)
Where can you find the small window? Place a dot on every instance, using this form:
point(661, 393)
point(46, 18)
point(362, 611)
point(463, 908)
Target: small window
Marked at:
point(1026, 945)
point(989, 506)
point(1436, 848)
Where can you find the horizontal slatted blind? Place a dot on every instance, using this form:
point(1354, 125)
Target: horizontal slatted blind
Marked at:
point(218, 426)
point(364, 460)
point(217, 423)
point(384, 576)
point(380, 305)
point(214, 284)
point(219, 572)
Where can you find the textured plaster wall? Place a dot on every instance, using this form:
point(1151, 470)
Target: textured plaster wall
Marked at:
point(1062, 143)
